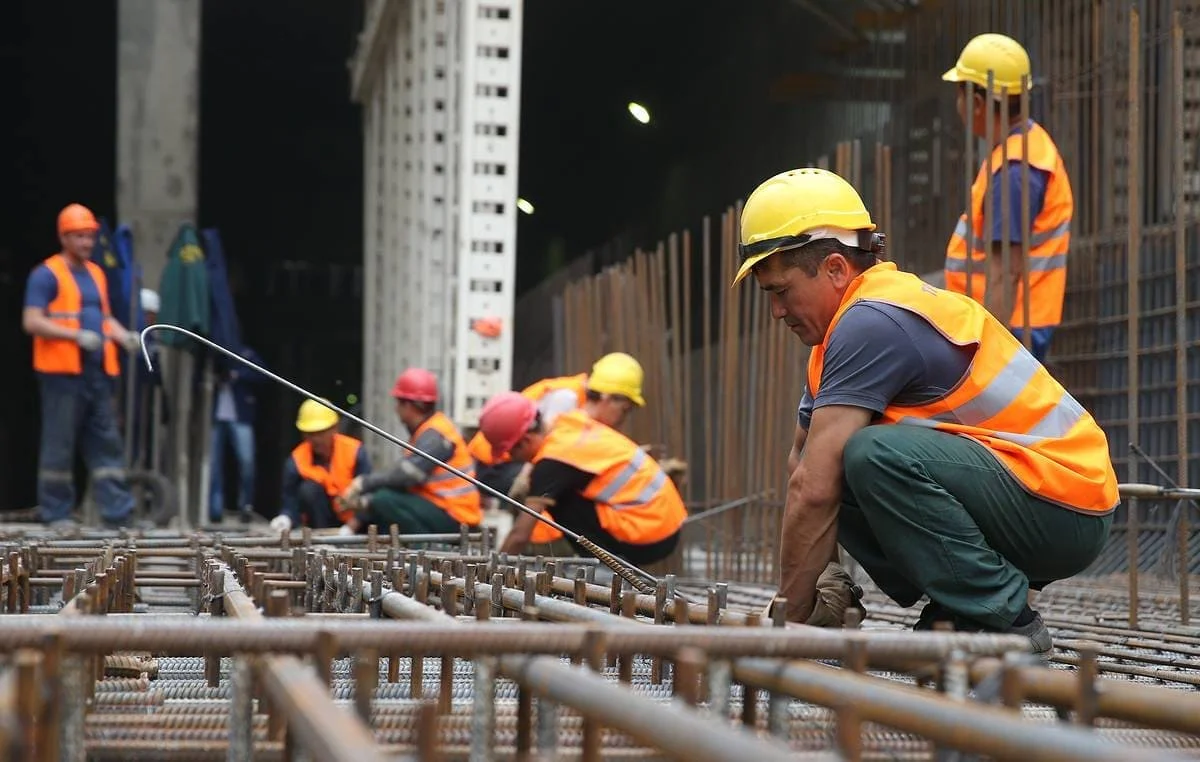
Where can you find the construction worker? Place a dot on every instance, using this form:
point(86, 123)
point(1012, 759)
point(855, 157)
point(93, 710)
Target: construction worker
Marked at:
point(417, 495)
point(553, 396)
point(938, 451)
point(1051, 204)
point(598, 482)
point(318, 470)
point(75, 346)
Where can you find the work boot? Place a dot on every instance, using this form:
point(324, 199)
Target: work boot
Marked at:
point(64, 525)
point(246, 514)
point(137, 525)
point(1038, 635)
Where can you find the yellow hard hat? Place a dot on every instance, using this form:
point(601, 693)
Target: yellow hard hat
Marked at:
point(781, 210)
point(314, 417)
point(1002, 55)
point(618, 373)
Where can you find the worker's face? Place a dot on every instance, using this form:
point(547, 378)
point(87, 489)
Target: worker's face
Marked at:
point(971, 109)
point(322, 442)
point(526, 447)
point(78, 243)
point(613, 410)
point(805, 303)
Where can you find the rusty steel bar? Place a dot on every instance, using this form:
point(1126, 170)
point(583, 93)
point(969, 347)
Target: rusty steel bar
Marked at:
point(967, 727)
point(295, 689)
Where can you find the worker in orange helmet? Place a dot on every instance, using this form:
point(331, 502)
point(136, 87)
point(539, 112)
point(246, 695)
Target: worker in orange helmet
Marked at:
point(417, 495)
point(75, 346)
point(598, 482)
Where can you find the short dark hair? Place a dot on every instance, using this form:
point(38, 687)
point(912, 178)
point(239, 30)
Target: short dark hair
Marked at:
point(1011, 104)
point(810, 256)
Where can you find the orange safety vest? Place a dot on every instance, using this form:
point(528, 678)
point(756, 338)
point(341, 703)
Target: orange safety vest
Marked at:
point(452, 494)
point(1048, 244)
point(1007, 401)
point(337, 475)
point(481, 449)
point(635, 501)
point(64, 355)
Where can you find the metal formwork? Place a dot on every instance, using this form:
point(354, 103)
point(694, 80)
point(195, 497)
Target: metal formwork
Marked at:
point(226, 646)
point(439, 84)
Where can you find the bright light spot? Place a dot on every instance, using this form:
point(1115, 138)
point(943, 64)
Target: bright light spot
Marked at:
point(524, 206)
point(352, 399)
point(639, 112)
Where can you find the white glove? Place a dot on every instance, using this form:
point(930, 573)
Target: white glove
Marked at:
point(89, 341)
point(281, 523)
point(353, 490)
point(345, 530)
point(132, 340)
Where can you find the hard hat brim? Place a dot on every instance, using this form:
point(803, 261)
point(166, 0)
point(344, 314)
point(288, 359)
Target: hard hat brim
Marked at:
point(313, 428)
point(747, 266)
point(952, 76)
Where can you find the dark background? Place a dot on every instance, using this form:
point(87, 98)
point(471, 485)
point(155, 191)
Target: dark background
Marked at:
point(281, 161)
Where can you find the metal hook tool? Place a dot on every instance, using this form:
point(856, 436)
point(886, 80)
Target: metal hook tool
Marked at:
point(641, 580)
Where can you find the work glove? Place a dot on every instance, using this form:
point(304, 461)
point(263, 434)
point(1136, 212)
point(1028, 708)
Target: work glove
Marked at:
point(675, 468)
point(89, 341)
point(131, 341)
point(345, 530)
point(836, 594)
point(352, 492)
point(520, 486)
point(281, 523)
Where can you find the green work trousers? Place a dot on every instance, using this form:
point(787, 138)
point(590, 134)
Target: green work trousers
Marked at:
point(926, 512)
point(411, 513)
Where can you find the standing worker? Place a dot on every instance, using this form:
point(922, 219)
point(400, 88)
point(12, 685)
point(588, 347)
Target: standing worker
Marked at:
point(932, 445)
point(234, 410)
point(417, 495)
point(318, 470)
point(1051, 204)
point(75, 338)
point(598, 482)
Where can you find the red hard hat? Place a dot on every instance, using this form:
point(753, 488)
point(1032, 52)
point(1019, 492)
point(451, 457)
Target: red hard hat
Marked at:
point(417, 385)
point(76, 217)
point(506, 418)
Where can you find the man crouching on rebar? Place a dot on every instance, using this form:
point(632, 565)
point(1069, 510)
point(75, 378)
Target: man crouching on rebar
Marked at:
point(940, 454)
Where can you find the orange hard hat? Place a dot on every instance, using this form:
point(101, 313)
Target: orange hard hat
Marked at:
point(417, 385)
point(76, 217)
point(506, 418)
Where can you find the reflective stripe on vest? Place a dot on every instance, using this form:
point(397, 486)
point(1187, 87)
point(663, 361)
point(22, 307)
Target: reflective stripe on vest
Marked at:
point(451, 493)
point(64, 356)
point(337, 475)
point(635, 501)
point(1049, 240)
point(1007, 400)
point(481, 449)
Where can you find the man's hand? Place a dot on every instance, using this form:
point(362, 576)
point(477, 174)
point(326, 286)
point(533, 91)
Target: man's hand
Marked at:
point(674, 468)
point(352, 492)
point(89, 341)
point(808, 541)
point(281, 523)
point(131, 340)
point(836, 594)
point(520, 486)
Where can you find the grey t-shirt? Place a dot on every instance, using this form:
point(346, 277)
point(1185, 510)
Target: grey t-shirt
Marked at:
point(879, 354)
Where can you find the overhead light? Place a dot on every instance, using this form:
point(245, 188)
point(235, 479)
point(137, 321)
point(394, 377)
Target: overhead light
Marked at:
point(639, 112)
point(524, 206)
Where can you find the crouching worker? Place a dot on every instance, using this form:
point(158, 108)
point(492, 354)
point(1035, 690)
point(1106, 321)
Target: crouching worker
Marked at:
point(417, 495)
point(318, 470)
point(597, 481)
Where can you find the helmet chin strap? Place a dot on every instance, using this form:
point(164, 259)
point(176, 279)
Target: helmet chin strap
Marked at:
point(639, 579)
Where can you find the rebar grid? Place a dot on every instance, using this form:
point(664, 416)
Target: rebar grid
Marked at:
point(610, 682)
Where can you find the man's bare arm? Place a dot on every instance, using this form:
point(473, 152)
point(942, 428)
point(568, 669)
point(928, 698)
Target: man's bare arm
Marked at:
point(35, 323)
point(522, 528)
point(1002, 283)
point(793, 460)
point(809, 536)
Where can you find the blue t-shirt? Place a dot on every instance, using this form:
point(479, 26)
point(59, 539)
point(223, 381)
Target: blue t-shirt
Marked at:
point(879, 354)
point(1011, 174)
point(42, 288)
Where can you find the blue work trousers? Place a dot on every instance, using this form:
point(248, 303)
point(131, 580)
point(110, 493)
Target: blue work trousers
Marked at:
point(80, 409)
point(241, 436)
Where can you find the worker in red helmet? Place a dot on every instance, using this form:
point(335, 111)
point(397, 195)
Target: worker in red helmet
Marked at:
point(417, 495)
point(598, 482)
point(75, 357)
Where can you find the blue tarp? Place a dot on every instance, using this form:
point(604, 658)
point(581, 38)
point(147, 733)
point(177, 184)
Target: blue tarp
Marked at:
point(115, 257)
point(223, 321)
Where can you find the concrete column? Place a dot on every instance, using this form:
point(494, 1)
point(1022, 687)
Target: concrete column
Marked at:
point(158, 123)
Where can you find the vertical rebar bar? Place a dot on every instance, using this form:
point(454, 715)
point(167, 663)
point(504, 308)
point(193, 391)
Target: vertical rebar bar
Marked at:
point(241, 711)
point(483, 711)
point(1183, 533)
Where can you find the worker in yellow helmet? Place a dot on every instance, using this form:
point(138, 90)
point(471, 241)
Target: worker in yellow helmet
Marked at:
point(940, 454)
point(318, 470)
point(1051, 203)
